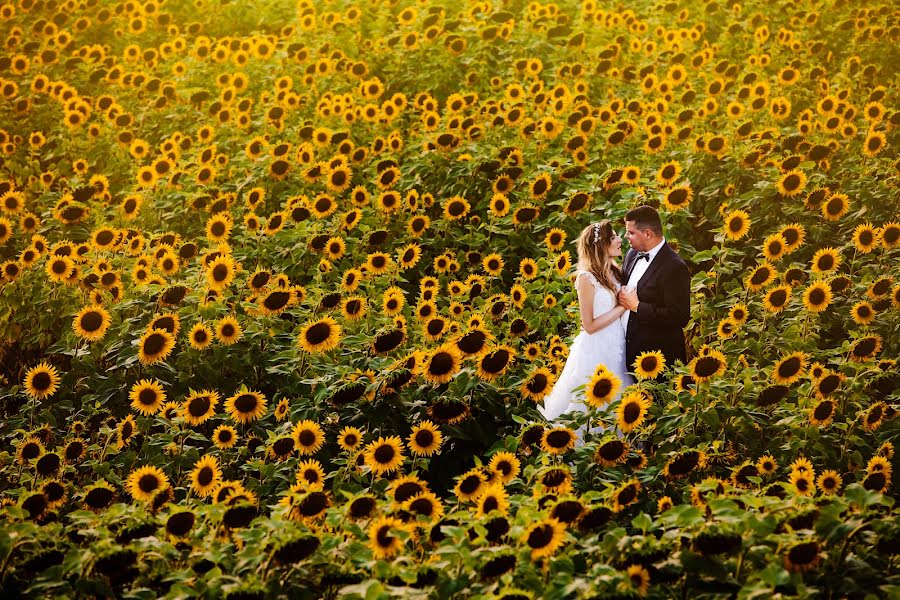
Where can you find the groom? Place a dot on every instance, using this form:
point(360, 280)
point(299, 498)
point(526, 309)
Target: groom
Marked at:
point(657, 292)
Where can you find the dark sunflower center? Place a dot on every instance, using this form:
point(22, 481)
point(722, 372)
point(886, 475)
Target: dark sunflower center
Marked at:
point(538, 383)
point(318, 333)
point(424, 438)
point(41, 381)
point(470, 484)
point(220, 272)
point(823, 410)
point(205, 476)
point(384, 454)
point(197, 407)
point(790, 367)
point(817, 296)
point(558, 439)
point(147, 483)
point(384, 537)
point(760, 276)
point(246, 403)
point(678, 196)
point(283, 446)
point(441, 363)
point(540, 537)
point(631, 412)
point(147, 397)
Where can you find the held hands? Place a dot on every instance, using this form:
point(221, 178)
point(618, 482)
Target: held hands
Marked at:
point(628, 298)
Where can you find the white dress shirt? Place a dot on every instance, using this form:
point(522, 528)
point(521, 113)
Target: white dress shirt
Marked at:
point(640, 267)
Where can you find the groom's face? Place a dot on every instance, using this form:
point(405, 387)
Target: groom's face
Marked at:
point(639, 240)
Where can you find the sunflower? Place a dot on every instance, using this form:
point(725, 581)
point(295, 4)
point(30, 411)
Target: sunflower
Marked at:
point(632, 410)
point(648, 365)
point(224, 437)
point(155, 345)
point(338, 178)
point(544, 537)
point(774, 246)
point(826, 260)
point(817, 296)
point(874, 143)
point(350, 438)
point(59, 268)
point(602, 388)
point(246, 405)
point(493, 362)
point(205, 476)
point(408, 256)
point(425, 439)
point(425, 504)
point(865, 348)
point(802, 482)
point(378, 263)
point(760, 277)
point(309, 437)
point(199, 407)
point(218, 227)
point(866, 238)
point(829, 482)
point(383, 538)
point(668, 173)
point(41, 381)
point(684, 463)
point(789, 368)
point(320, 336)
point(625, 495)
point(143, 483)
point(228, 330)
point(384, 455)
point(777, 298)
point(611, 452)
point(506, 465)
point(835, 207)
point(311, 475)
point(678, 198)
point(493, 498)
point(147, 396)
point(558, 440)
point(791, 183)
point(737, 224)
point(456, 208)
point(91, 323)
point(470, 484)
point(220, 272)
point(99, 495)
point(442, 363)
point(200, 336)
point(874, 416)
point(638, 578)
point(538, 384)
point(863, 312)
point(555, 480)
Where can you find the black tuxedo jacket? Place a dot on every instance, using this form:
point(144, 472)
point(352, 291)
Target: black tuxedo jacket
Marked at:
point(664, 296)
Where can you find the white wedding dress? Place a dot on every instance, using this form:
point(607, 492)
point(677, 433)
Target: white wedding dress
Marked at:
point(606, 346)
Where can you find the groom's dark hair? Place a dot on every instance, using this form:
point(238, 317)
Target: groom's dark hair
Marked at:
point(645, 217)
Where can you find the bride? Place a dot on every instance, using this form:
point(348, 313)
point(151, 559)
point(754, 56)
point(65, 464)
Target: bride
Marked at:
point(602, 336)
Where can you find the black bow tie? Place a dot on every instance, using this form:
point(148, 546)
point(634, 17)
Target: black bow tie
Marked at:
point(643, 255)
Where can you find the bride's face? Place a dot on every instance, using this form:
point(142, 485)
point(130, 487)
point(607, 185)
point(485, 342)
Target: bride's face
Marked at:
point(615, 246)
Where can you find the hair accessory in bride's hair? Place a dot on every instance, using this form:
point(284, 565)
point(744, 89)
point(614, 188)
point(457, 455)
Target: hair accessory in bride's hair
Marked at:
point(596, 232)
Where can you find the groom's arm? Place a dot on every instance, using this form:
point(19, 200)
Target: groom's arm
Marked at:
point(676, 306)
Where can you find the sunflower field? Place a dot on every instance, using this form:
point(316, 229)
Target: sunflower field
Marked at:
point(283, 283)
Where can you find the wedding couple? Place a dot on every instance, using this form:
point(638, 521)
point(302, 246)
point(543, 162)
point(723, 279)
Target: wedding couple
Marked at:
point(619, 322)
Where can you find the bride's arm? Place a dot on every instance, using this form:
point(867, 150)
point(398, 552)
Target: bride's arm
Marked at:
point(586, 291)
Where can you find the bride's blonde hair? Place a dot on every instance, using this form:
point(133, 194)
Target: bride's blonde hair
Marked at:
point(593, 256)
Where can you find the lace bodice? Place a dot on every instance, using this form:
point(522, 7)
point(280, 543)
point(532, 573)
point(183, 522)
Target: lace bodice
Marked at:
point(604, 300)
